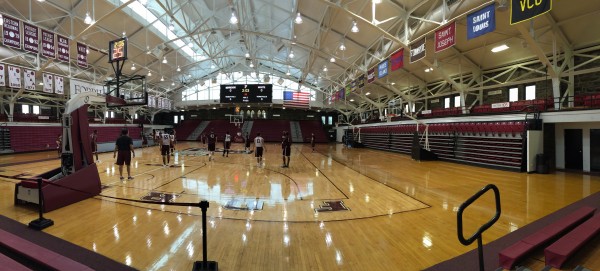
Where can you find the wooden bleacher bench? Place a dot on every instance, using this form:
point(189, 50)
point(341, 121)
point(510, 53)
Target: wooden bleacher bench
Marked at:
point(510, 255)
point(560, 251)
point(41, 255)
point(7, 263)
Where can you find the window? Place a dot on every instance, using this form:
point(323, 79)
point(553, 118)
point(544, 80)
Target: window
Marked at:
point(330, 120)
point(112, 114)
point(513, 94)
point(406, 108)
point(175, 118)
point(25, 108)
point(135, 116)
point(530, 92)
point(457, 101)
point(181, 117)
point(106, 114)
point(36, 109)
point(447, 102)
point(323, 120)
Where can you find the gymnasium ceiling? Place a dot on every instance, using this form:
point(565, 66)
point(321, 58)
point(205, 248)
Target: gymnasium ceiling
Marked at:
point(204, 42)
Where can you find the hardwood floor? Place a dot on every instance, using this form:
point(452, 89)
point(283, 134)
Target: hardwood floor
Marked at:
point(400, 214)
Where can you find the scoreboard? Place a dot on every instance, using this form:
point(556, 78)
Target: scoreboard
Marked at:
point(249, 93)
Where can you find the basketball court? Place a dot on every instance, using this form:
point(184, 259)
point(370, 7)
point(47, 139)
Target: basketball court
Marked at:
point(335, 209)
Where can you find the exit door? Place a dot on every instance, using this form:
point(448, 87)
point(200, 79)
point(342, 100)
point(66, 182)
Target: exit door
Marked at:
point(574, 149)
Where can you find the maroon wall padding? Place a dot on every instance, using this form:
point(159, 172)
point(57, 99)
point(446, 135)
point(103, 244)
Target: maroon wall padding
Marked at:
point(82, 184)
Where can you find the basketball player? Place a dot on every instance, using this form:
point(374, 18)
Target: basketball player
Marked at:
point(312, 141)
point(226, 144)
point(144, 140)
point(124, 146)
point(212, 140)
point(59, 144)
point(94, 142)
point(172, 142)
point(247, 145)
point(165, 148)
point(259, 148)
point(286, 147)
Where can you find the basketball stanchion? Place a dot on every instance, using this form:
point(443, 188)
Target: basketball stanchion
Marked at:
point(40, 223)
point(205, 264)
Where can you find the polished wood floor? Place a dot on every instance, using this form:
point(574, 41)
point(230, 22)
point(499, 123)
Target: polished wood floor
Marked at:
point(401, 213)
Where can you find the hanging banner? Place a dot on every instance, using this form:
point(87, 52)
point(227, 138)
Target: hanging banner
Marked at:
point(382, 69)
point(11, 32)
point(31, 38)
point(371, 75)
point(14, 77)
point(82, 55)
point(59, 85)
point(417, 50)
point(2, 76)
point(481, 22)
point(348, 90)
point(522, 10)
point(354, 85)
point(29, 79)
point(48, 44)
point(63, 48)
point(361, 81)
point(397, 60)
point(48, 80)
point(445, 37)
point(76, 87)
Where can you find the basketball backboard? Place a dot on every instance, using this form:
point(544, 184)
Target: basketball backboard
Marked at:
point(126, 91)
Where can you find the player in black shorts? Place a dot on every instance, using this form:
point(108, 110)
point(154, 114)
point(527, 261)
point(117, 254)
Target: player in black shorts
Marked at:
point(212, 140)
point(247, 143)
point(286, 147)
point(124, 147)
point(259, 148)
point(312, 141)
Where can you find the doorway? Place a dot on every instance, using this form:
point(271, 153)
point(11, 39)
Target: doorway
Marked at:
point(574, 149)
point(595, 150)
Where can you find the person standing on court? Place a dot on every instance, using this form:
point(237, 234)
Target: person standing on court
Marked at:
point(286, 147)
point(259, 148)
point(173, 139)
point(165, 147)
point(247, 143)
point(59, 144)
point(312, 141)
point(226, 144)
point(94, 142)
point(212, 141)
point(124, 148)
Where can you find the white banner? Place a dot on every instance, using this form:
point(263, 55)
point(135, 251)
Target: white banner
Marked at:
point(29, 79)
point(14, 77)
point(2, 76)
point(48, 80)
point(425, 112)
point(501, 105)
point(59, 85)
point(160, 102)
point(81, 86)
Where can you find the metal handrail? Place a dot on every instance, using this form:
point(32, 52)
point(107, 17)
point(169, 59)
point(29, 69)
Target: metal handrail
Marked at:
point(484, 227)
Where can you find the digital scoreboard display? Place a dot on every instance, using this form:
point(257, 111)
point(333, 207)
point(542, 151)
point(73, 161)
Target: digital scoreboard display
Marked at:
point(117, 50)
point(250, 93)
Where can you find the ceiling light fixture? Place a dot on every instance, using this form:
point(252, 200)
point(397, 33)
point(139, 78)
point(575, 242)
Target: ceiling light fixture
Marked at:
point(429, 70)
point(352, 100)
point(149, 74)
point(325, 68)
point(332, 59)
point(1, 20)
point(171, 26)
point(233, 19)
point(172, 83)
point(178, 69)
point(41, 1)
point(143, 2)
point(500, 48)
point(368, 93)
point(342, 46)
point(191, 44)
point(162, 78)
point(291, 54)
point(133, 67)
point(298, 19)
point(288, 73)
point(247, 55)
point(354, 28)
point(251, 65)
point(164, 60)
point(376, 1)
point(88, 18)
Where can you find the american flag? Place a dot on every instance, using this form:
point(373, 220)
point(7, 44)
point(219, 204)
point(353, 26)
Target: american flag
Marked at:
point(296, 99)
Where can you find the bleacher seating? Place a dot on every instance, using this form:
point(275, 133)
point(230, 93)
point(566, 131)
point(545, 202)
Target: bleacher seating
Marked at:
point(510, 255)
point(270, 130)
point(111, 133)
point(34, 138)
point(10, 264)
point(220, 127)
point(313, 126)
point(186, 127)
point(560, 251)
point(46, 258)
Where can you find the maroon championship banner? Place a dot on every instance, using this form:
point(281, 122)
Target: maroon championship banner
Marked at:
point(63, 48)
point(371, 75)
point(361, 81)
point(397, 60)
point(445, 37)
point(31, 38)
point(11, 32)
point(48, 44)
point(82, 55)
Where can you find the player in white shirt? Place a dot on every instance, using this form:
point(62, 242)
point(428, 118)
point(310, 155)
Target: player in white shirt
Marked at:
point(165, 141)
point(259, 145)
point(226, 144)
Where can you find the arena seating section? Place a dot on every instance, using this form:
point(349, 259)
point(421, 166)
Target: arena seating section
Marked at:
point(492, 144)
point(25, 138)
point(270, 129)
